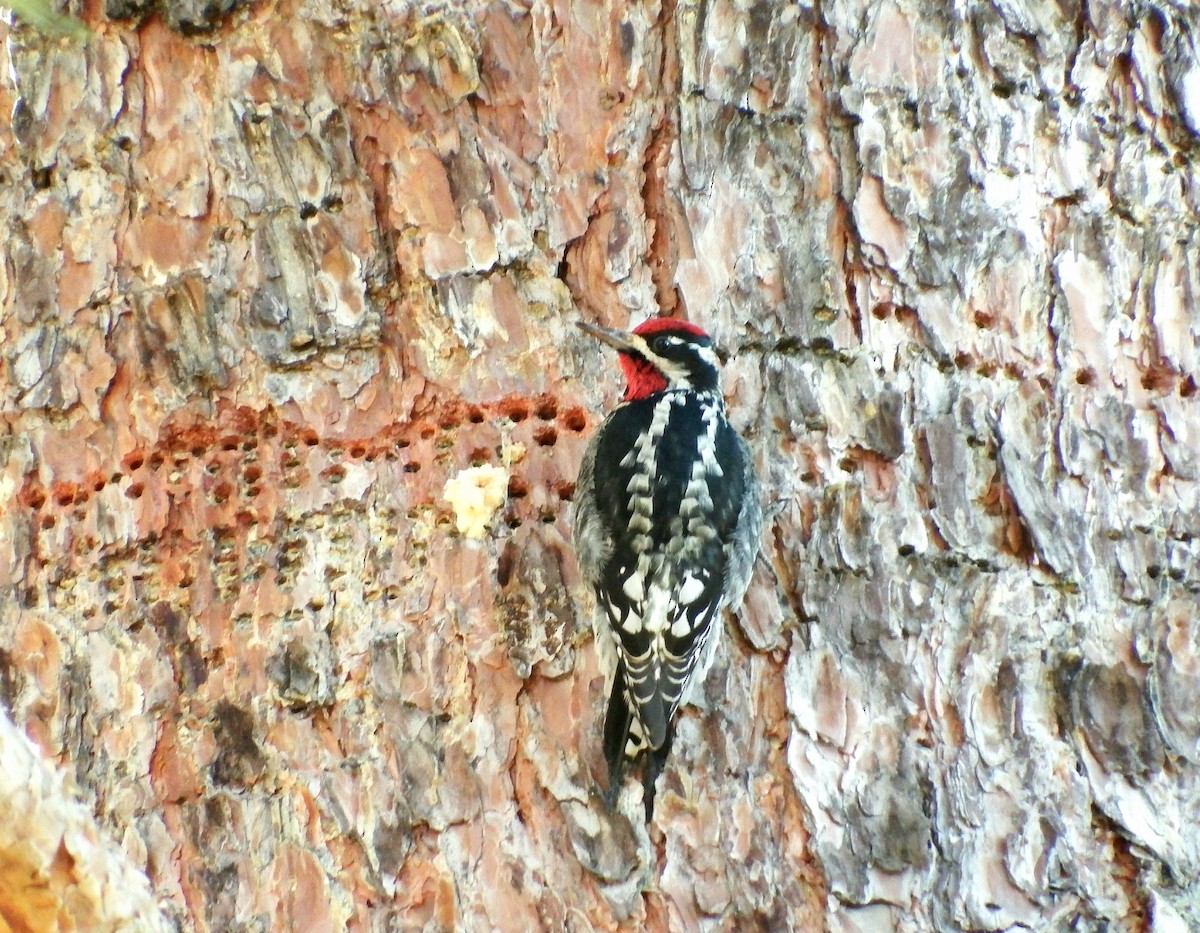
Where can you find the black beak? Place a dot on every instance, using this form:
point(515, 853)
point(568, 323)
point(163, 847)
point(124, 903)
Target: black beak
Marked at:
point(617, 339)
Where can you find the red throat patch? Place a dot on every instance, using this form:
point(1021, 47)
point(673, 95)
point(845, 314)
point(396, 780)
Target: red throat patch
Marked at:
point(642, 378)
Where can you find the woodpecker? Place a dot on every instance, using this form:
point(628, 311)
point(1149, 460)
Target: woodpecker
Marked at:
point(667, 520)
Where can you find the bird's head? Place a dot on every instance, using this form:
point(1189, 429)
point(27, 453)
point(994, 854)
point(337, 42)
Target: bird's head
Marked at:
point(662, 353)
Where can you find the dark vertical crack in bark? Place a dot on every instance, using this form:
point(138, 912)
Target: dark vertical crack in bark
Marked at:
point(660, 204)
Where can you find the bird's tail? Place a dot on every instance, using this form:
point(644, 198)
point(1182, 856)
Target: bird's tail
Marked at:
point(625, 742)
point(617, 723)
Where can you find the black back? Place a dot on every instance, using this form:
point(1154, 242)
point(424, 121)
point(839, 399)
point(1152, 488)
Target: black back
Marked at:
point(676, 453)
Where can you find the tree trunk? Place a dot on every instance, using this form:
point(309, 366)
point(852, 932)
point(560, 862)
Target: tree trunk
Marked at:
point(293, 405)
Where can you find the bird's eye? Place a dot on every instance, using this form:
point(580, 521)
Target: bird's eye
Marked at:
point(660, 344)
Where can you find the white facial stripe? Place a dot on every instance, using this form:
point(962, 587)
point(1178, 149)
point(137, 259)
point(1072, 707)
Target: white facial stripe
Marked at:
point(709, 355)
point(676, 374)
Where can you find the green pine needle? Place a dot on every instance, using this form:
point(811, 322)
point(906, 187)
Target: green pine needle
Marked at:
point(40, 16)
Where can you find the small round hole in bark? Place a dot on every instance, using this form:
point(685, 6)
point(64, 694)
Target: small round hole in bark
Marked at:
point(574, 419)
point(514, 409)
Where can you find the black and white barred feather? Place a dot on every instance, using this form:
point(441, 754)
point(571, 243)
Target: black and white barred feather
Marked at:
point(667, 521)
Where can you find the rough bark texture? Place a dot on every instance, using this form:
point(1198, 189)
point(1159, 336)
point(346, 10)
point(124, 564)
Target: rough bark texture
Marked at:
point(276, 274)
point(57, 872)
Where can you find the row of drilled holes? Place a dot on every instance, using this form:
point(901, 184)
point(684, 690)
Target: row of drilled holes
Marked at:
point(546, 436)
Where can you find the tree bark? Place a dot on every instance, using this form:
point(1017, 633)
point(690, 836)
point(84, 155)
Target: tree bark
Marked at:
point(293, 405)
